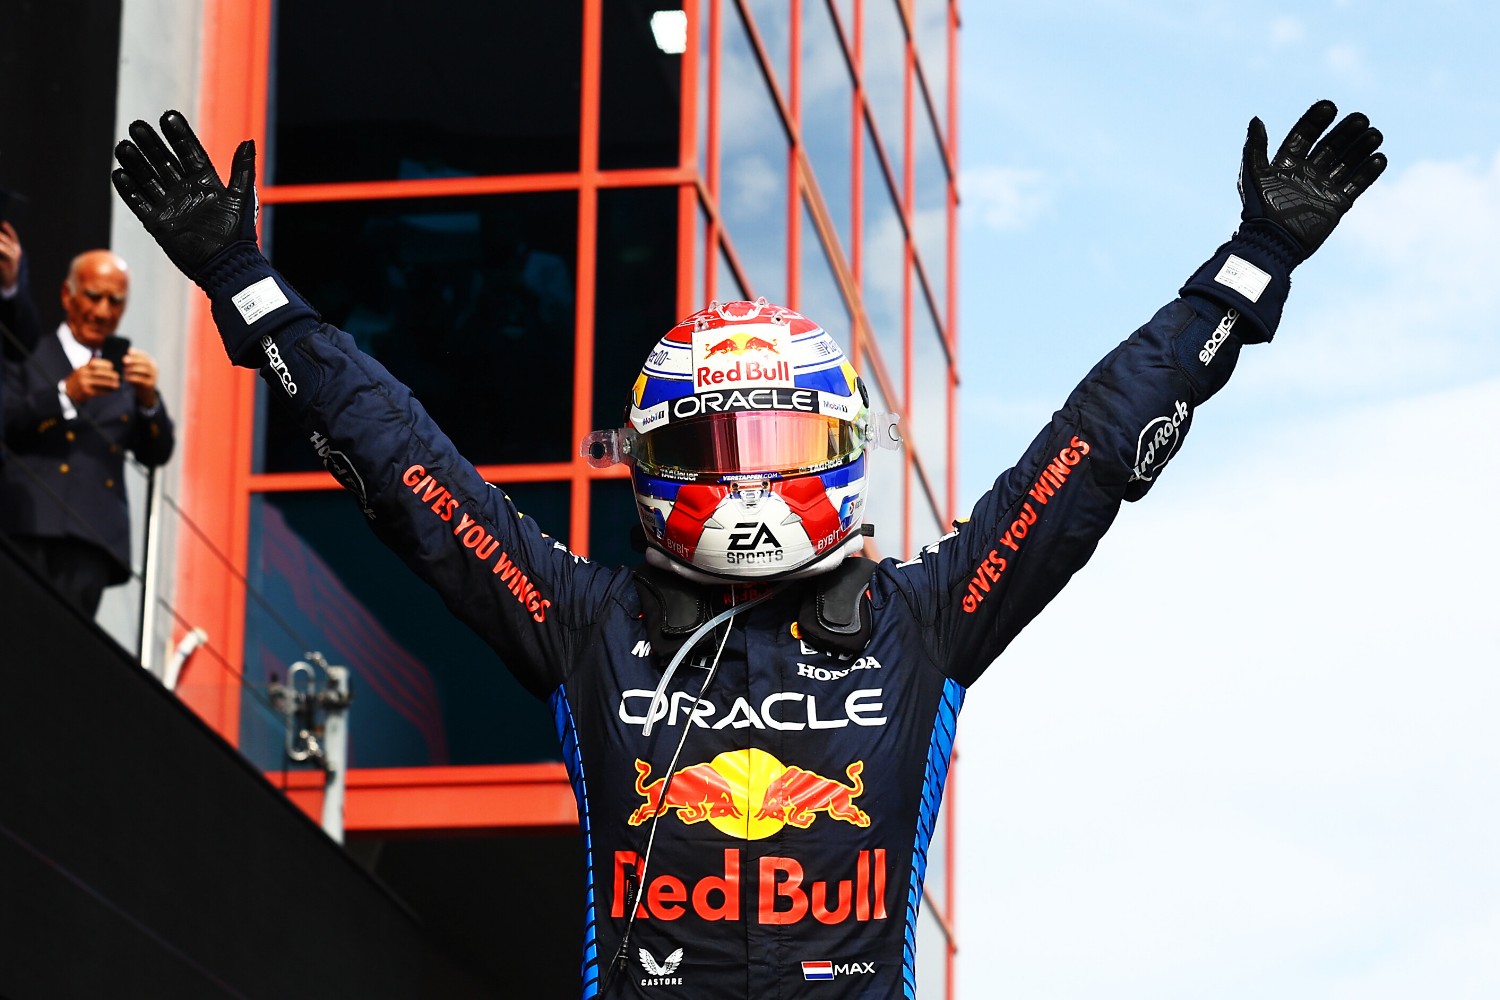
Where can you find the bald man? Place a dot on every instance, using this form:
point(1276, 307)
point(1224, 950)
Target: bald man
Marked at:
point(72, 410)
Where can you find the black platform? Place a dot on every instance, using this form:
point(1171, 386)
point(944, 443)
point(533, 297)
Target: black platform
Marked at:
point(142, 856)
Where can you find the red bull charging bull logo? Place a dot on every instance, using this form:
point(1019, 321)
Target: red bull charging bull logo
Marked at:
point(749, 794)
point(748, 358)
point(740, 344)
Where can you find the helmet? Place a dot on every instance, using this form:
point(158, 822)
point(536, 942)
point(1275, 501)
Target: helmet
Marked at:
point(746, 438)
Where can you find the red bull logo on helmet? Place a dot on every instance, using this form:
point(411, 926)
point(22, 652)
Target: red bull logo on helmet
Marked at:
point(750, 795)
point(741, 344)
point(756, 356)
point(741, 347)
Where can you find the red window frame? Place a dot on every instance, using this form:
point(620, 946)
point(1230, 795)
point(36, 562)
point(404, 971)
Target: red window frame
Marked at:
point(217, 484)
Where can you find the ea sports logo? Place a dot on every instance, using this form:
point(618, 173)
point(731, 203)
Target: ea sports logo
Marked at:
point(748, 536)
point(752, 543)
point(755, 532)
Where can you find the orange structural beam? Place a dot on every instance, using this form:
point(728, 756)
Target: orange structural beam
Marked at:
point(515, 798)
point(219, 406)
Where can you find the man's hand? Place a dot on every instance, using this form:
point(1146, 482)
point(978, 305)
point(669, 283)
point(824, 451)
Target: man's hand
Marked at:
point(140, 372)
point(95, 378)
point(1307, 188)
point(10, 256)
point(177, 194)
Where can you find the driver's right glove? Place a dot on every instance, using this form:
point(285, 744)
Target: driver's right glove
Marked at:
point(208, 231)
point(1289, 205)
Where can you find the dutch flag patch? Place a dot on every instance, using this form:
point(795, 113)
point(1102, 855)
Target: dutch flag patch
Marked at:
point(817, 970)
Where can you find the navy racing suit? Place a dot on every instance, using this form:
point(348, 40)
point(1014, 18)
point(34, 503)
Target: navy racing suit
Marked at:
point(790, 847)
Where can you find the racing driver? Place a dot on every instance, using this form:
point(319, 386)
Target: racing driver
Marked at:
point(757, 796)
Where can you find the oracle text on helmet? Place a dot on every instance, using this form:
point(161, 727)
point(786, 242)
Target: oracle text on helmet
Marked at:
point(739, 400)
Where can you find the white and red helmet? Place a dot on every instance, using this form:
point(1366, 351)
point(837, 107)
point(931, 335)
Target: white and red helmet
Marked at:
point(746, 438)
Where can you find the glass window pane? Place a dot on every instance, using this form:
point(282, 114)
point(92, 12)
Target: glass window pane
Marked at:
point(932, 954)
point(639, 100)
point(486, 88)
point(828, 114)
point(884, 265)
point(635, 290)
point(469, 301)
point(426, 689)
point(612, 523)
point(708, 67)
point(726, 286)
point(845, 11)
point(821, 300)
point(930, 209)
point(773, 22)
point(886, 472)
point(885, 76)
point(699, 265)
point(753, 147)
point(927, 523)
point(262, 725)
point(927, 423)
point(930, 28)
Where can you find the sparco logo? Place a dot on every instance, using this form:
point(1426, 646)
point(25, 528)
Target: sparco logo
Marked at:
point(1158, 442)
point(277, 365)
point(1221, 333)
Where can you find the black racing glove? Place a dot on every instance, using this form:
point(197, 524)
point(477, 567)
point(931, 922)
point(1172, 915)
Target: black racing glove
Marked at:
point(1289, 205)
point(1307, 188)
point(208, 231)
point(180, 199)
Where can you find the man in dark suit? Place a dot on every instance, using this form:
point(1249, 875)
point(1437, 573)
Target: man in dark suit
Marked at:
point(23, 327)
point(71, 413)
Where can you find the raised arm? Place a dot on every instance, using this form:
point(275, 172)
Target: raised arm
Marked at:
point(522, 592)
point(1127, 419)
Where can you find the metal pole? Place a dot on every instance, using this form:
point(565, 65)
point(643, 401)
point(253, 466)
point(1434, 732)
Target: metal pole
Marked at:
point(336, 751)
point(148, 577)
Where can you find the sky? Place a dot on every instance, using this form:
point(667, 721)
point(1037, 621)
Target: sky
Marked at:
point(1251, 750)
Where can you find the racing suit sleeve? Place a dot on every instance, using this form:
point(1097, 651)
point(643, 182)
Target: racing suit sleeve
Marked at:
point(1042, 519)
point(523, 592)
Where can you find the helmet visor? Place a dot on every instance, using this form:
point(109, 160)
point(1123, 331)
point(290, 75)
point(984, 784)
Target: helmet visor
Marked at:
point(769, 441)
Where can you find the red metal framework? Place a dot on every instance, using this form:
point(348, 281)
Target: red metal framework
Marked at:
point(218, 484)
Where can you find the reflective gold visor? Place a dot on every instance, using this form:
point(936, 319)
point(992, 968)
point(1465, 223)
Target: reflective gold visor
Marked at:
point(752, 441)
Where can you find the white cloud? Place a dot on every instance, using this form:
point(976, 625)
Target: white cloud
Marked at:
point(1435, 218)
point(1249, 751)
point(1404, 293)
point(1347, 63)
point(1003, 198)
point(1286, 30)
point(1406, 969)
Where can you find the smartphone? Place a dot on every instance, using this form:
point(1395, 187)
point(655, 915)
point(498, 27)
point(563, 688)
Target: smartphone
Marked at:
point(12, 207)
point(113, 350)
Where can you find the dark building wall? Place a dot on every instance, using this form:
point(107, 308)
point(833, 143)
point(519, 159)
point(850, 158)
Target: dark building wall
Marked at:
point(141, 856)
point(58, 66)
